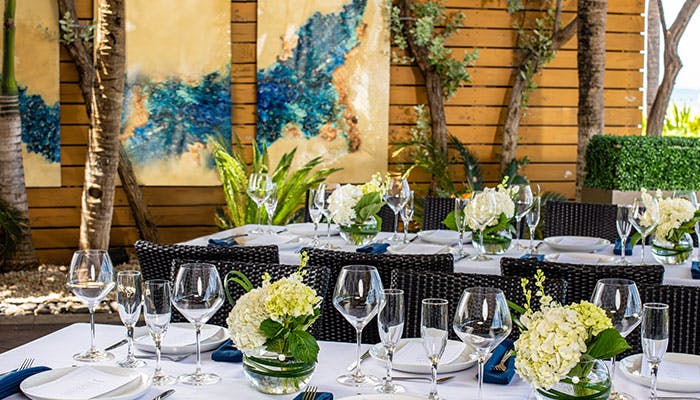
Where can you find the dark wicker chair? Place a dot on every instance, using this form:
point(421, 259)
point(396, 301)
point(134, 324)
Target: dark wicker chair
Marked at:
point(580, 219)
point(335, 327)
point(317, 277)
point(385, 213)
point(419, 285)
point(435, 210)
point(156, 259)
point(684, 320)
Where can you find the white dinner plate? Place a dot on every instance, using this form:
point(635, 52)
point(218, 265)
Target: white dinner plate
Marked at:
point(576, 243)
point(307, 229)
point(465, 360)
point(132, 390)
point(266, 239)
point(443, 236)
point(387, 396)
point(686, 367)
point(575, 258)
point(144, 342)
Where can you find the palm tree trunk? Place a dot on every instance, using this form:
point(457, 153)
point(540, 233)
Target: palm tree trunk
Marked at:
point(592, 16)
point(652, 50)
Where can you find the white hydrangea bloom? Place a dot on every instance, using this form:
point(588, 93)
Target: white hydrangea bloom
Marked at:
point(672, 214)
point(245, 318)
point(342, 202)
point(503, 204)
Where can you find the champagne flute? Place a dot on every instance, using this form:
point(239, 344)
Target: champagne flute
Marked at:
point(407, 214)
point(157, 310)
point(619, 298)
point(693, 199)
point(654, 338)
point(461, 222)
point(395, 197)
point(259, 187)
point(328, 215)
point(433, 331)
point(316, 207)
point(390, 321)
point(483, 321)
point(270, 206)
point(129, 301)
point(533, 219)
point(357, 295)
point(198, 294)
point(91, 278)
point(481, 211)
point(624, 226)
point(644, 218)
point(523, 202)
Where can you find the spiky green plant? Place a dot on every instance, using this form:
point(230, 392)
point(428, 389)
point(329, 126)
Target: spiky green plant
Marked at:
point(291, 185)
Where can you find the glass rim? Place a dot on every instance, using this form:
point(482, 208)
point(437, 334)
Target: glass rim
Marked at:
point(156, 282)
point(617, 281)
point(196, 265)
point(129, 272)
point(91, 251)
point(655, 306)
point(392, 291)
point(483, 289)
point(359, 267)
point(434, 301)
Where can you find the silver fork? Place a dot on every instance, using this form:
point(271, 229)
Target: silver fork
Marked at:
point(27, 363)
point(310, 393)
point(501, 366)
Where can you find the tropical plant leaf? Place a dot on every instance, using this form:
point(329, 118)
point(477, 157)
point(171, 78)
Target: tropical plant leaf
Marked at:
point(512, 171)
point(303, 346)
point(472, 166)
point(607, 344)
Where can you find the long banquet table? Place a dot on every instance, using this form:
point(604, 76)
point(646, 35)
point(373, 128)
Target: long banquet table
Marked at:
point(56, 349)
point(674, 275)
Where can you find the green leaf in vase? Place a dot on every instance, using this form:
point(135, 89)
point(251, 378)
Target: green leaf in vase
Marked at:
point(607, 344)
point(303, 346)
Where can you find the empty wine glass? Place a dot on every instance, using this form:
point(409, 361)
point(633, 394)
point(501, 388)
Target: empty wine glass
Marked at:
point(433, 331)
point(619, 298)
point(624, 226)
point(328, 216)
point(129, 301)
point(395, 196)
point(461, 223)
point(91, 278)
point(259, 187)
point(157, 310)
point(198, 294)
point(317, 204)
point(654, 338)
point(644, 218)
point(693, 199)
point(481, 211)
point(390, 321)
point(407, 214)
point(482, 320)
point(533, 219)
point(357, 295)
point(523, 202)
point(270, 206)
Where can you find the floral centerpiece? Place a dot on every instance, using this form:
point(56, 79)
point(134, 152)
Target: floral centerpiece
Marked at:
point(672, 243)
point(560, 347)
point(354, 208)
point(269, 325)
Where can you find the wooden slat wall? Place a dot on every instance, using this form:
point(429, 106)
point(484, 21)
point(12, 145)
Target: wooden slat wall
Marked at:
point(547, 136)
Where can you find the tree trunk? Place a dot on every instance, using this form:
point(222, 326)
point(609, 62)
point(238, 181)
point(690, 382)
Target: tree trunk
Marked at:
point(591, 74)
point(653, 36)
point(147, 228)
point(672, 65)
point(103, 143)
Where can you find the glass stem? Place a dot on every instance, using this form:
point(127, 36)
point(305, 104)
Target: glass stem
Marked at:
point(654, 375)
point(315, 233)
point(198, 333)
point(644, 239)
point(396, 225)
point(482, 359)
point(389, 364)
point(157, 342)
point(130, 342)
point(532, 245)
point(623, 248)
point(357, 373)
point(269, 222)
point(481, 242)
point(612, 375)
point(405, 230)
point(259, 214)
point(517, 229)
point(328, 228)
point(92, 329)
point(433, 378)
point(460, 242)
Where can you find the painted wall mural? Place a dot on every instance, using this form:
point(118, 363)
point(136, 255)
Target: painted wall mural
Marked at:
point(178, 88)
point(37, 74)
point(323, 83)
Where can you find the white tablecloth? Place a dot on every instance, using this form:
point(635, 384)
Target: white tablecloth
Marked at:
point(55, 350)
point(674, 275)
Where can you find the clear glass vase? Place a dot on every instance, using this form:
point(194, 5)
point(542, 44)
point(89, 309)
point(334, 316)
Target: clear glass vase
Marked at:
point(274, 373)
point(589, 380)
point(360, 234)
point(494, 243)
point(678, 253)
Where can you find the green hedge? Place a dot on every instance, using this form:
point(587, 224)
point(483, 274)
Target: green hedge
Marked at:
point(636, 162)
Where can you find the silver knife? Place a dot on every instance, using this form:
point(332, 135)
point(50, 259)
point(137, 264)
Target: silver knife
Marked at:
point(118, 344)
point(165, 394)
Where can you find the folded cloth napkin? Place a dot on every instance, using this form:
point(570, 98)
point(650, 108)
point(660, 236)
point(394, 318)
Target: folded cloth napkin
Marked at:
point(498, 377)
point(9, 384)
point(628, 247)
point(695, 270)
point(227, 242)
point(528, 256)
point(227, 353)
point(319, 396)
point(373, 248)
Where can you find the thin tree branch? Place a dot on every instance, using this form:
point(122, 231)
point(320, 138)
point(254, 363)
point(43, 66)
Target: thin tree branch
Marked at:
point(557, 18)
point(662, 17)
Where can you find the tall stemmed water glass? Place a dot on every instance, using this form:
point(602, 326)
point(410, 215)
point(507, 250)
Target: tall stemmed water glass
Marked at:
point(644, 218)
point(395, 197)
point(483, 321)
point(357, 295)
point(270, 206)
point(481, 210)
point(619, 298)
point(91, 278)
point(328, 215)
point(533, 219)
point(693, 199)
point(317, 204)
point(156, 311)
point(407, 214)
point(433, 331)
point(129, 301)
point(259, 188)
point(198, 294)
point(523, 202)
point(390, 321)
point(654, 338)
point(624, 226)
point(460, 214)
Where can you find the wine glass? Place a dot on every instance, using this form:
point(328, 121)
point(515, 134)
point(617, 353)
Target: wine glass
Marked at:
point(129, 301)
point(156, 311)
point(328, 216)
point(654, 338)
point(433, 331)
point(357, 295)
point(317, 205)
point(259, 187)
point(481, 211)
point(523, 202)
point(644, 218)
point(619, 298)
point(270, 206)
point(461, 223)
point(91, 278)
point(533, 219)
point(395, 197)
point(624, 226)
point(482, 320)
point(693, 199)
point(390, 321)
point(198, 294)
point(407, 214)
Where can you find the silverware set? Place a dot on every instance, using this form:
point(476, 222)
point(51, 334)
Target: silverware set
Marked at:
point(310, 393)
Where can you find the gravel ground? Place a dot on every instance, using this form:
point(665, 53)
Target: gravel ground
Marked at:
point(44, 291)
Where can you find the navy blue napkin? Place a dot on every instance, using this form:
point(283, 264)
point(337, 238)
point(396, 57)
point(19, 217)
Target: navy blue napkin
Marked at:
point(227, 242)
point(373, 248)
point(695, 270)
point(319, 396)
point(227, 353)
point(528, 256)
point(498, 377)
point(618, 247)
point(9, 384)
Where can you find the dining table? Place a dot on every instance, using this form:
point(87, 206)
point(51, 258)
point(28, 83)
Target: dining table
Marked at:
point(55, 350)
